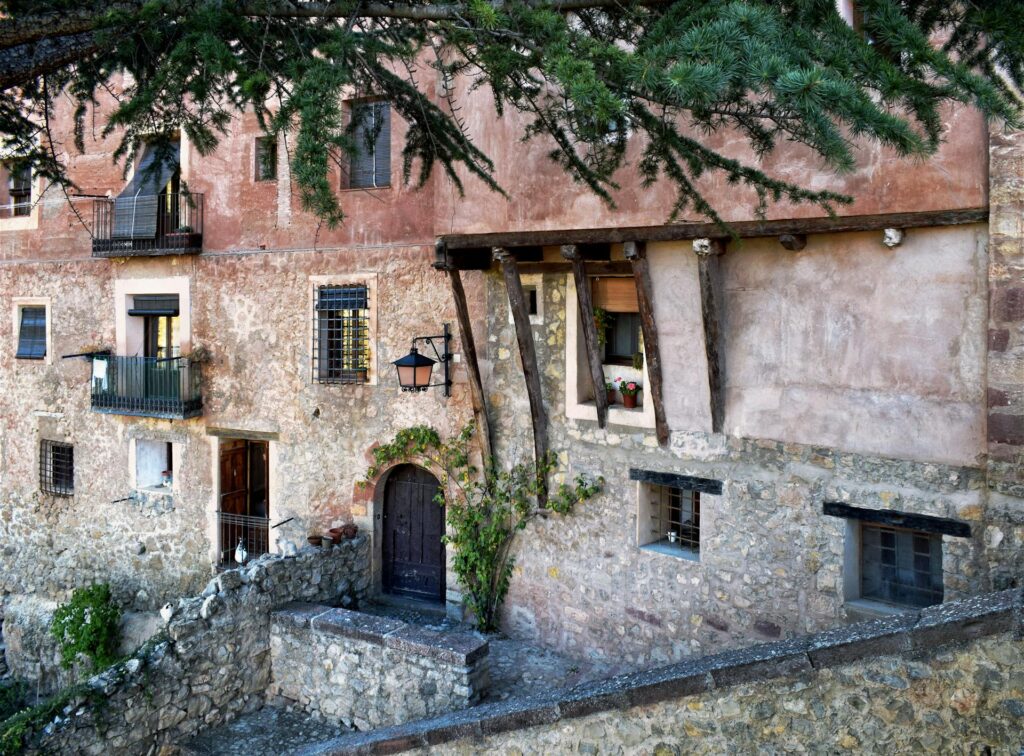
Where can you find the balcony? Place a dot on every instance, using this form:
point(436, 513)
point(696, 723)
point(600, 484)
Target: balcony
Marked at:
point(147, 387)
point(148, 225)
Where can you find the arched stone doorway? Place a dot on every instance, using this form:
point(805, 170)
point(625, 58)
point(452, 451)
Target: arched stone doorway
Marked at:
point(412, 552)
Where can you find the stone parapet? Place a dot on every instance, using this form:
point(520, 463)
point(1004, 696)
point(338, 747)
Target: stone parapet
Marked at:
point(369, 671)
point(945, 678)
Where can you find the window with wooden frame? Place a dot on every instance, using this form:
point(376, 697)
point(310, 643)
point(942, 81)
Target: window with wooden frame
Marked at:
point(266, 158)
point(31, 332)
point(370, 163)
point(56, 468)
point(341, 334)
point(20, 189)
point(900, 566)
point(618, 318)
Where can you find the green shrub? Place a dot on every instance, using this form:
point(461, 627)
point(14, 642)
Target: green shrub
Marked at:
point(89, 624)
point(13, 699)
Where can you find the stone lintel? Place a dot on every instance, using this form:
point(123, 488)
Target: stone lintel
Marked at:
point(454, 647)
point(685, 482)
point(887, 635)
point(348, 624)
point(927, 523)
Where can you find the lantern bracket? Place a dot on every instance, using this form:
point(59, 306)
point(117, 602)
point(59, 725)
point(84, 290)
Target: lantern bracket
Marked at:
point(443, 357)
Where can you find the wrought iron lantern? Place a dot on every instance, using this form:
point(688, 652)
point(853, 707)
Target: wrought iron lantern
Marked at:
point(414, 370)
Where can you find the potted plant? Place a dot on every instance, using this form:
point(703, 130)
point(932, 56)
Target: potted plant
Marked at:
point(629, 390)
point(609, 387)
point(638, 360)
point(335, 534)
point(601, 322)
point(315, 539)
point(349, 530)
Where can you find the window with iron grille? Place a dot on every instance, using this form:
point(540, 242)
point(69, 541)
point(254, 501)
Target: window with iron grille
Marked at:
point(670, 519)
point(370, 164)
point(266, 158)
point(32, 333)
point(900, 566)
point(341, 335)
point(56, 468)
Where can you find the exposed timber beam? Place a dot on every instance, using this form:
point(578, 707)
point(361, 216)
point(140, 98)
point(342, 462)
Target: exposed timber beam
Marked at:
point(708, 253)
point(793, 242)
point(476, 385)
point(528, 353)
point(573, 254)
point(740, 229)
point(636, 253)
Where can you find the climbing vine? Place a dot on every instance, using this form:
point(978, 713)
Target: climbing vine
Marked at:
point(89, 624)
point(484, 510)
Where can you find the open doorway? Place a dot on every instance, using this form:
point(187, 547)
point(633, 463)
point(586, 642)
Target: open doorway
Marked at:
point(243, 511)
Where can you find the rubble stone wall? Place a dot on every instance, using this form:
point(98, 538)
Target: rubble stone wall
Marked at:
point(213, 662)
point(947, 679)
point(369, 671)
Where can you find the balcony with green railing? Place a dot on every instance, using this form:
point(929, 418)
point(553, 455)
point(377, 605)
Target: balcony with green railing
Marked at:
point(147, 387)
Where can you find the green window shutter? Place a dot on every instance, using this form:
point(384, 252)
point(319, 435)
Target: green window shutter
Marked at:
point(32, 334)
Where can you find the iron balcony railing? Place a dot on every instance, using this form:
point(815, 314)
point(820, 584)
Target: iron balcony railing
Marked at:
point(168, 388)
point(142, 225)
point(252, 532)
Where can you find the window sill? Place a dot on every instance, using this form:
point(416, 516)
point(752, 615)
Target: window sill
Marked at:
point(866, 609)
point(156, 490)
point(672, 550)
point(385, 188)
point(617, 414)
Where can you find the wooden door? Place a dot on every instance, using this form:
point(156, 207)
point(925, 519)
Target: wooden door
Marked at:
point(234, 478)
point(412, 550)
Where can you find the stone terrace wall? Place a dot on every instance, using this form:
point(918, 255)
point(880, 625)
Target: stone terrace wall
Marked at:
point(372, 671)
point(948, 679)
point(214, 662)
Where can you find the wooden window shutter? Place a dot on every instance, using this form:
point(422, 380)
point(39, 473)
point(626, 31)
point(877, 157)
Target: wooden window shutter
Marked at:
point(615, 294)
point(370, 166)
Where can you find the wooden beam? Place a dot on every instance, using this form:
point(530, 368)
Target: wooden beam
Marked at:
point(708, 275)
point(741, 229)
point(636, 253)
point(590, 341)
point(528, 353)
point(793, 242)
point(476, 385)
point(614, 268)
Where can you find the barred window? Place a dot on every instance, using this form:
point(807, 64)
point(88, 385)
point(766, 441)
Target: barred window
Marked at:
point(679, 518)
point(341, 335)
point(900, 566)
point(32, 333)
point(56, 468)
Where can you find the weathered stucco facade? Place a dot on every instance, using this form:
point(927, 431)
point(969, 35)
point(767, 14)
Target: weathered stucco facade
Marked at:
point(887, 379)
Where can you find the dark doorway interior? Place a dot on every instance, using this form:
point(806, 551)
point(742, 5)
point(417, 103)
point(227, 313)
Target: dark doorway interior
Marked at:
point(244, 510)
point(412, 552)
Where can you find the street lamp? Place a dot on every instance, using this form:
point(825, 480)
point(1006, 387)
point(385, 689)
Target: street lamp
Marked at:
point(414, 369)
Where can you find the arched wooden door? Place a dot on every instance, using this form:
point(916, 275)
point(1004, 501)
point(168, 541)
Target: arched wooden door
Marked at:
point(412, 552)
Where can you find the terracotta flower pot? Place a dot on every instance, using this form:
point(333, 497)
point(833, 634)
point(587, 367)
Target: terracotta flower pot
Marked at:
point(629, 401)
point(335, 534)
point(611, 397)
point(315, 540)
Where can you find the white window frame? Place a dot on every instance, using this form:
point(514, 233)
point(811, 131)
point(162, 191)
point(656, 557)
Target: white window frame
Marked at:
point(17, 305)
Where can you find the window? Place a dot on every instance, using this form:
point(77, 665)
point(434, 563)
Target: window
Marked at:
point(675, 518)
point(266, 158)
point(900, 566)
point(623, 338)
point(533, 292)
point(160, 314)
point(530, 292)
point(56, 468)
point(20, 190)
point(370, 163)
point(618, 316)
point(341, 335)
point(154, 464)
point(32, 333)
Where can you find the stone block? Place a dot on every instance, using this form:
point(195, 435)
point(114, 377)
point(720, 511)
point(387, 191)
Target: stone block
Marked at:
point(461, 648)
point(761, 662)
point(674, 681)
point(516, 714)
point(348, 624)
point(888, 635)
point(964, 620)
point(297, 614)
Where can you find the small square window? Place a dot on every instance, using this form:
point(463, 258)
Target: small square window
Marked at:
point(370, 162)
point(266, 158)
point(901, 567)
point(531, 299)
point(670, 520)
point(32, 333)
point(154, 464)
point(341, 335)
point(56, 468)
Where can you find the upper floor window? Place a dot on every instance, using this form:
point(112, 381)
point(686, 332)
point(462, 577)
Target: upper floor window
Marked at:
point(341, 335)
point(617, 313)
point(370, 164)
point(266, 158)
point(20, 190)
point(899, 566)
point(32, 333)
point(56, 468)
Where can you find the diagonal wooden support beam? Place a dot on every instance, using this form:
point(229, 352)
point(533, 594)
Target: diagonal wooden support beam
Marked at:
point(590, 341)
point(528, 353)
point(636, 253)
point(476, 385)
point(708, 252)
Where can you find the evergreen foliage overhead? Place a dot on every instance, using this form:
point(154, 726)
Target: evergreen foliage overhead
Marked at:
point(589, 75)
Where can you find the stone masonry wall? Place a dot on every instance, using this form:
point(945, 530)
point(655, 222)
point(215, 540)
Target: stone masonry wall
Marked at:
point(212, 664)
point(369, 671)
point(949, 679)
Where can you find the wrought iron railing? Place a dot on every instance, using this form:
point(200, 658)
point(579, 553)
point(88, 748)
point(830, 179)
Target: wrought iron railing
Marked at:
point(146, 386)
point(251, 532)
point(160, 224)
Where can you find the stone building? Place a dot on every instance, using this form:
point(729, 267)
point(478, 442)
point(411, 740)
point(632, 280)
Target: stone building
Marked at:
point(191, 363)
